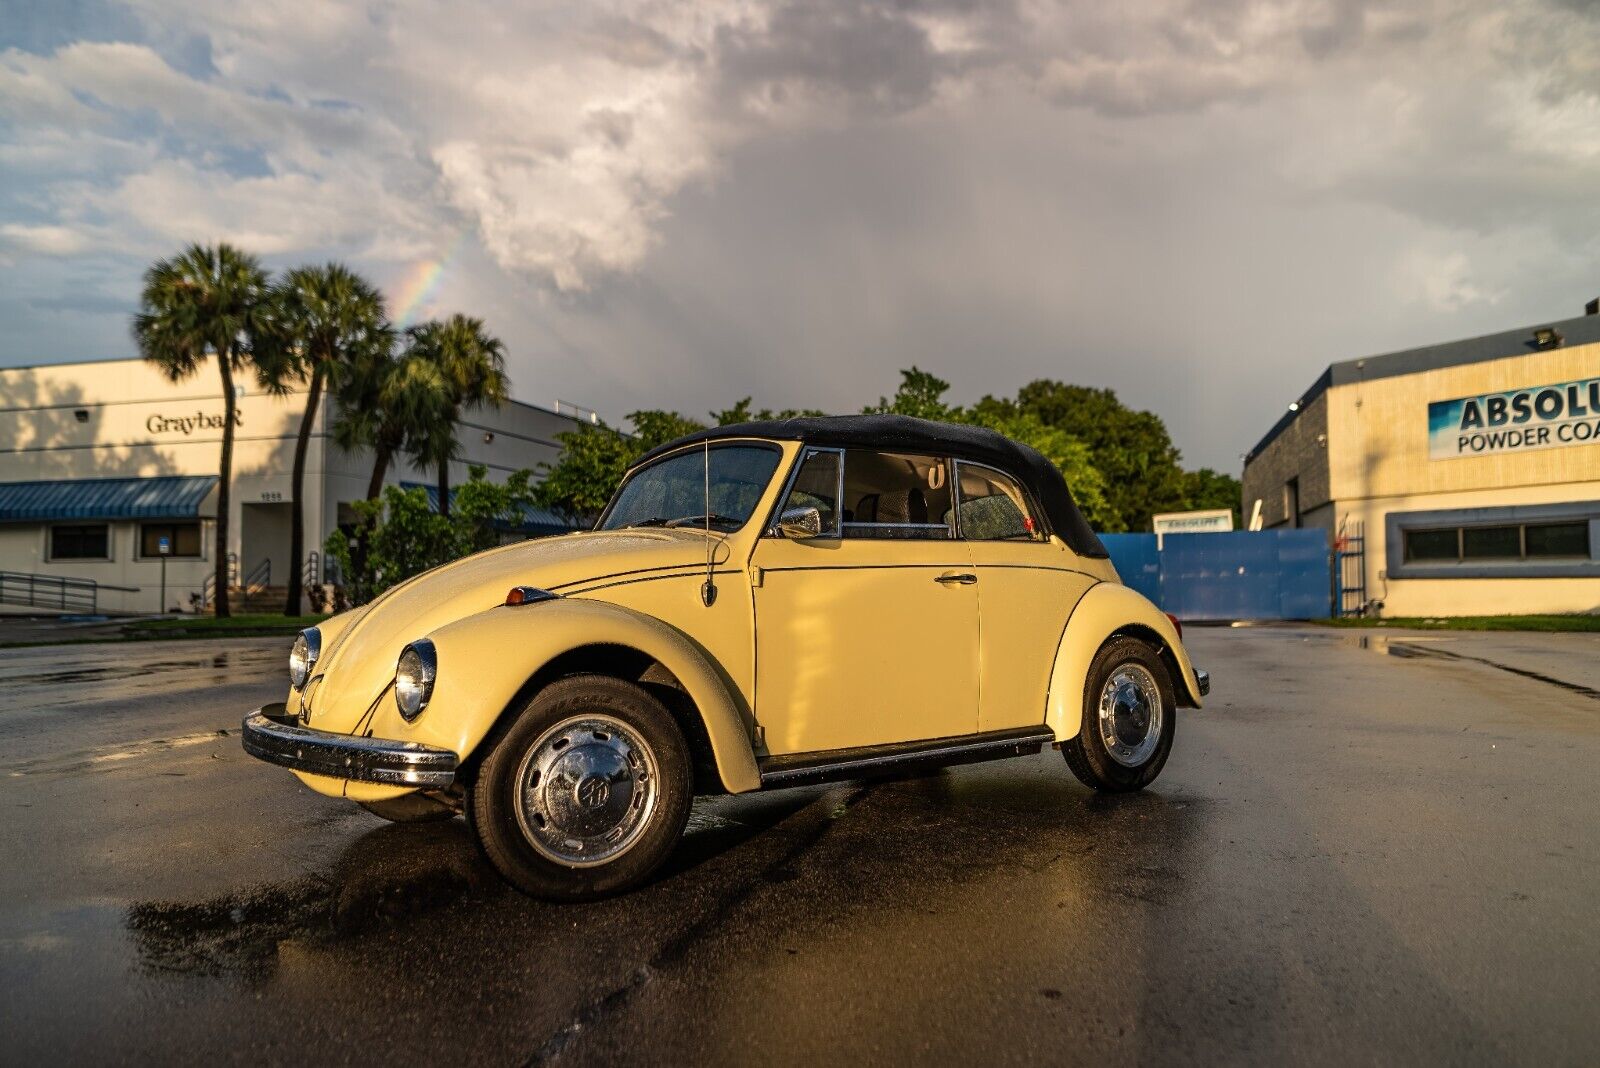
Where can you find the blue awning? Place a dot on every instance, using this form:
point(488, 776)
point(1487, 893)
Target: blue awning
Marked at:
point(157, 497)
point(535, 520)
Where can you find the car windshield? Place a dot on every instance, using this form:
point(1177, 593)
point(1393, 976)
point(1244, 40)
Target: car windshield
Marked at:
point(672, 491)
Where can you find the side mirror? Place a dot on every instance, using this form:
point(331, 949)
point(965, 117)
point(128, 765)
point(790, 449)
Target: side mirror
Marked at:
point(800, 523)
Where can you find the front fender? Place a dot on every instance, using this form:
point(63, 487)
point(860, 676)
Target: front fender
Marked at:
point(1105, 610)
point(486, 659)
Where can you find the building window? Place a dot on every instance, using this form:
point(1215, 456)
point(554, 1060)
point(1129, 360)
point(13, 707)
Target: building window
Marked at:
point(1531, 541)
point(85, 541)
point(1557, 541)
point(1433, 545)
point(1519, 541)
point(1291, 502)
point(1491, 543)
point(183, 539)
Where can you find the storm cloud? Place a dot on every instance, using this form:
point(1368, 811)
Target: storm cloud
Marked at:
point(1198, 204)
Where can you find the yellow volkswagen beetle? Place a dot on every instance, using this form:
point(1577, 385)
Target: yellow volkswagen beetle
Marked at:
point(761, 606)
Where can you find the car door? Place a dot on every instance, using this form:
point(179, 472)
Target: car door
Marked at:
point(868, 633)
point(1028, 584)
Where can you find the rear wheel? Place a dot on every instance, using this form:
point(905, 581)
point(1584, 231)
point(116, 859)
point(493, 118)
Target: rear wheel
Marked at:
point(1128, 719)
point(586, 793)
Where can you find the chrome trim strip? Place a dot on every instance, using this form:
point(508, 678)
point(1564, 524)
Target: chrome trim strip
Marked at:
point(270, 735)
point(1202, 681)
point(937, 753)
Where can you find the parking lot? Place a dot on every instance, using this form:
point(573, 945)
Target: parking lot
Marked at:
point(1369, 847)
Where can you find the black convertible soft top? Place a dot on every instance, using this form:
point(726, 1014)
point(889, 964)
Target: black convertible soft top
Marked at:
point(903, 433)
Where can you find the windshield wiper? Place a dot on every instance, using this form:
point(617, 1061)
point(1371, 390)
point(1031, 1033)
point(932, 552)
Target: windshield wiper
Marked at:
point(653, 521)
point(704, 520)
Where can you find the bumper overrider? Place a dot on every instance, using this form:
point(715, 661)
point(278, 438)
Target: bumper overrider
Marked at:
point(271, 734)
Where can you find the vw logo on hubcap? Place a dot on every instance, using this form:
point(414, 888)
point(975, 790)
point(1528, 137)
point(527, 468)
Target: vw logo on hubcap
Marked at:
point(593, 791)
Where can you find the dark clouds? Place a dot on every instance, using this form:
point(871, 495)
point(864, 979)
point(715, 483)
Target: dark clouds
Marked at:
point(1199, 204)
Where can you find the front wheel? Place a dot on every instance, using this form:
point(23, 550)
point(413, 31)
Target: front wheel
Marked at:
point(586, 793)
point(1128, 719)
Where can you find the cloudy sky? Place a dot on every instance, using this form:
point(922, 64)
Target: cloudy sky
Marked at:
point(1199, 204)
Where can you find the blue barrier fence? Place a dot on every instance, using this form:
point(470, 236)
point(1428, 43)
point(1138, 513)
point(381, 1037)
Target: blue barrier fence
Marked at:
point(1266, 574)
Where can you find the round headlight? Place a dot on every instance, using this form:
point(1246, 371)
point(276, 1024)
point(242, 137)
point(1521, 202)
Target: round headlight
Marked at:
point(303, 657)
point(413, 678)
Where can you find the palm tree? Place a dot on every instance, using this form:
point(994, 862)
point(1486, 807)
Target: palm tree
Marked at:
point(207, 301)
point(471, 367)
point(390, 404)
point(327, 320)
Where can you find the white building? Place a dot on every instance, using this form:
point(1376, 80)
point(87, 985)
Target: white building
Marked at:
point(101, 461)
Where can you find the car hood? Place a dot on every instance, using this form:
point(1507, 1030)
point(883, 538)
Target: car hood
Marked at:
point(360, 662)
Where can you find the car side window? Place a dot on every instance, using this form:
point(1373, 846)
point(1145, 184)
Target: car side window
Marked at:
point(897, 496)
point(992, 507)
point(816, 485)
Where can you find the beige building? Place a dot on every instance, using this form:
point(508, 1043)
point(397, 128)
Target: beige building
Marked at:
point(103, 464)
point(1466, 475)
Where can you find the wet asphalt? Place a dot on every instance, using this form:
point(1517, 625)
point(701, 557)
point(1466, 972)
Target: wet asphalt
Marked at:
point(1368, 849)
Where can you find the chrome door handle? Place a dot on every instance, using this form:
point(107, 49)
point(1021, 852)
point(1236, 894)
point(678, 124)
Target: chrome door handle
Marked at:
point(959, 578)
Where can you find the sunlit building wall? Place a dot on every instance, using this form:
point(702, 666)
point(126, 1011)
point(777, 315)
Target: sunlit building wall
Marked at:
point(72, 434)
point(1472, 468)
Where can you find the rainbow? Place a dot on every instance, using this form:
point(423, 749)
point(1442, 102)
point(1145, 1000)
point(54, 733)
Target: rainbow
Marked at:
point(420, 283)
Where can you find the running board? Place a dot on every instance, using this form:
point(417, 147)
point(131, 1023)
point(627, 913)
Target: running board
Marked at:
point(805, 769)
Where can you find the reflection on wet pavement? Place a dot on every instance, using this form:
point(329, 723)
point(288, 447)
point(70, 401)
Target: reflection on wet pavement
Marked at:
point(386, 875)
point(1335, 827)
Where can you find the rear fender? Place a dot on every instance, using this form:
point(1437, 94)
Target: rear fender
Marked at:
point(1108, 609)
point(486, 660)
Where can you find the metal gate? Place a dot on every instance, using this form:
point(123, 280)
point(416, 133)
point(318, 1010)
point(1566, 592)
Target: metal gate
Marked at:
point(1268, 574)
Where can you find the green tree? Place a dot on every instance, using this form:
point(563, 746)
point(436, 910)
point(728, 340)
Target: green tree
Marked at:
point(594, 457)
point(1131, 449)
point(326, 321)
point(743, 413)
point(921, 394)
point(1213, 489)
point(206, 301)
point(406, 536)
point(471, 369)
point(391, 404)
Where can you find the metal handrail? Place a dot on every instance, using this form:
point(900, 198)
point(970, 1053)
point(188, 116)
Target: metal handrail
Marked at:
point(208, 588)
point(259, 578)
point(60, 592)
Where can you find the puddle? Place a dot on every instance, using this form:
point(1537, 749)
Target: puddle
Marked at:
point(1414, 647)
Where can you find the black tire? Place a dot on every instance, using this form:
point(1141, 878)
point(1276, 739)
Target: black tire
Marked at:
point(1087, 754)
point(411, 808)
point(492, 798)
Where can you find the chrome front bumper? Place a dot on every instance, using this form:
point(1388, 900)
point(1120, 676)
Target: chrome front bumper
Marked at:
point(271, 734)
point(1202, 681)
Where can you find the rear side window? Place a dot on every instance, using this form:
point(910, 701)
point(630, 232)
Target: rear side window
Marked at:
point(992, 507)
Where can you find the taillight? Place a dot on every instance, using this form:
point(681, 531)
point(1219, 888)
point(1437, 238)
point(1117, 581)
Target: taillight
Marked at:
point(1176, 625)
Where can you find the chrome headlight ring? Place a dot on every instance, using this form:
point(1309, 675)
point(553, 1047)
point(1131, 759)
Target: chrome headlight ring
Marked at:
point(303, 656)
point(413, 678)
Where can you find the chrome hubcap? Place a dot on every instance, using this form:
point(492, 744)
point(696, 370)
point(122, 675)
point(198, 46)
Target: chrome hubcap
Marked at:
point(586, 790)
point(1130, 715)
